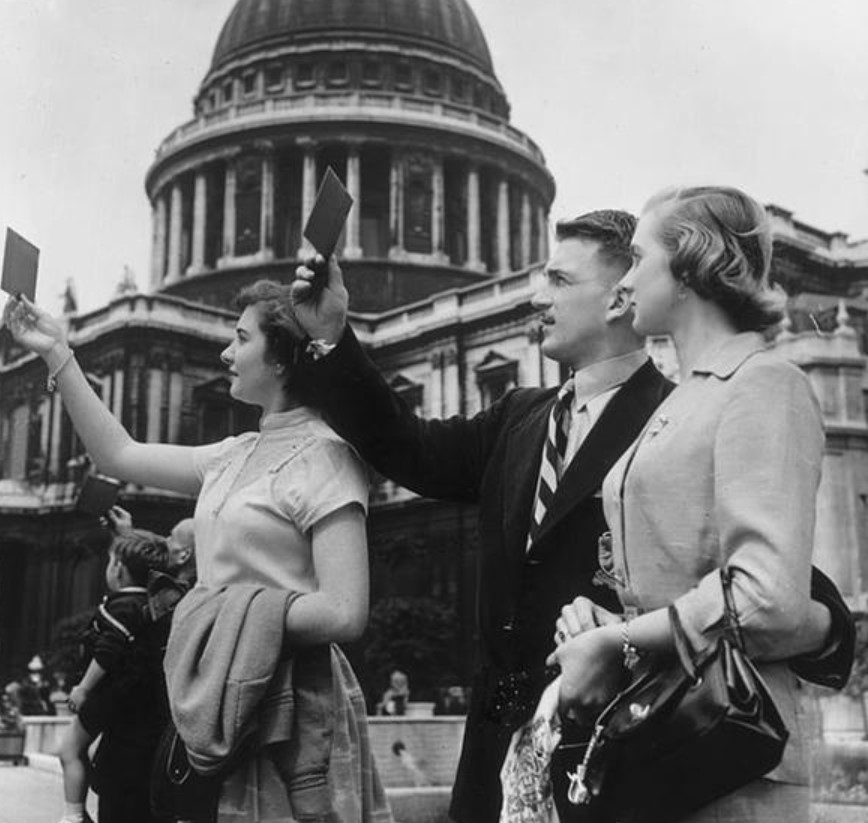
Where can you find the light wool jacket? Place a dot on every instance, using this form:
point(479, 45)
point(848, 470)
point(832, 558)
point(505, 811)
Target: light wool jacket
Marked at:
point(726, 473)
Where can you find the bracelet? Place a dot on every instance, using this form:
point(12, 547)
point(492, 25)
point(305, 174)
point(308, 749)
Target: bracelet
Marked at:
point(61, 360)
point(631, 653)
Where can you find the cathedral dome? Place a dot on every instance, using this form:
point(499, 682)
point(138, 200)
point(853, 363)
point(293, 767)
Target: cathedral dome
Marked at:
point(447, 26)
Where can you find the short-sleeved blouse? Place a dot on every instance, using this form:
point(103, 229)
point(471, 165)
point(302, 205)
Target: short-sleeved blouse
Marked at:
point(293, 472)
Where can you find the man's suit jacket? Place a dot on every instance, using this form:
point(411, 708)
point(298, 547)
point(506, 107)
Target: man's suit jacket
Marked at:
point(493, 459)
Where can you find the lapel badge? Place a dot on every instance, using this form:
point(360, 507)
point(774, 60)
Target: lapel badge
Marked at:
point(657, 426)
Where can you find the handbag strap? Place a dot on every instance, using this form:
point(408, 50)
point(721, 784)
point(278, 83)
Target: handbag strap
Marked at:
point(732, 627)
point(682, 644)
point(732, 624)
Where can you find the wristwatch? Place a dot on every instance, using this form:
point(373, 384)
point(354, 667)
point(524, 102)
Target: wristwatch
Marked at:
point(319, 348)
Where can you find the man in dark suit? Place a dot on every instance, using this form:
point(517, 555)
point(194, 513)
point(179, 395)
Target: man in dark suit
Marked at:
point(538, 552)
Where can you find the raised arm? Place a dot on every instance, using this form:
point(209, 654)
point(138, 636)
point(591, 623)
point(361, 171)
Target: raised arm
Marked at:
point(436, 458)
point(109, 444)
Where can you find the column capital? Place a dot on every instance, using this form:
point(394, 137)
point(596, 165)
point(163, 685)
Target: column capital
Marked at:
point(264, 146)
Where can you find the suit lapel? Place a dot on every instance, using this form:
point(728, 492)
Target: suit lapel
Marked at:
point(617, 427)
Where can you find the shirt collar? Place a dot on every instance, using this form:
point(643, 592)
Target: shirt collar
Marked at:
point(605, 375)
point(282, 420)
point(726, 358)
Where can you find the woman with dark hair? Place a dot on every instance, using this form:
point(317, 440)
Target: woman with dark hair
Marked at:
point(725, 474)
point(279, 511)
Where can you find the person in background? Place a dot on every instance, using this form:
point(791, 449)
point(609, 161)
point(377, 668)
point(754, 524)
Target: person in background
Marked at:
point(119, 696)
point(33, 694)
point(396, 696)
point(181, 541)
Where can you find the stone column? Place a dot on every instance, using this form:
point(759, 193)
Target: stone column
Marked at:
point(229, 211)
point(526, 255)
point(396, 204)
point(266, 209)
point(474, 236)
point(200, 199)
point(437, 207)
point(452, 389)
point(543, 251)
point(503, 226)
point(116, 402)
point(56, 428)
point(173, 272)
point(436, 406)
point(176, 397)
point(308, 193)
point(44, 430)
point(154, 404)
point(158, 252)
point(353, 246)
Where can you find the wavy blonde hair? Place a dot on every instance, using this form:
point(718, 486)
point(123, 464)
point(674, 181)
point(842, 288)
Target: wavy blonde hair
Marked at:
point(720, 245)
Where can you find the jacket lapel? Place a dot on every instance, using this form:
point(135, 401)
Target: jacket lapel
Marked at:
point(617, 427)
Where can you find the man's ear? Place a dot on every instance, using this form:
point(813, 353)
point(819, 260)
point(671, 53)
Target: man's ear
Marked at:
point(618, 304)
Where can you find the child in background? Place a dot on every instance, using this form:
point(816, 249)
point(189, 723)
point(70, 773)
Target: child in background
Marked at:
point(120, 693)
point(180, 540)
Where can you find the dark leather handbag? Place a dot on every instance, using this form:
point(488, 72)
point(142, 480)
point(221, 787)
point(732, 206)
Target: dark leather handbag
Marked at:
point(177, 791)
point(682, 735)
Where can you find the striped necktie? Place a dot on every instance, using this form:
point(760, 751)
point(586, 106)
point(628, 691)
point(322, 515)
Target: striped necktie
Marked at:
point(552, 465)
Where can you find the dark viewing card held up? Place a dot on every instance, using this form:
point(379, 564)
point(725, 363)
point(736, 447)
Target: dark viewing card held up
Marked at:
point(328, 215)
point(20, 262)
point(97, 494)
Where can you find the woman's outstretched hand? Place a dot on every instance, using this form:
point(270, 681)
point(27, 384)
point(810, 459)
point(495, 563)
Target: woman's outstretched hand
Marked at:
point(32, 327)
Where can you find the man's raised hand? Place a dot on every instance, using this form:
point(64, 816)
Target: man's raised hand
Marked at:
point(320, 299)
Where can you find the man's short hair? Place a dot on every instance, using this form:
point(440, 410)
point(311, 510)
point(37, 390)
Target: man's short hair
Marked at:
point(611, 228)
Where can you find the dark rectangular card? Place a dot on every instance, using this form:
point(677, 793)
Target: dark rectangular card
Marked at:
point(20, 262)
point(97, 494)
point(328, 215)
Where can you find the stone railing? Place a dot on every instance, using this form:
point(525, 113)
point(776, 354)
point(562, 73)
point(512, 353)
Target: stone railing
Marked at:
point(411, 752)
point(346, 105)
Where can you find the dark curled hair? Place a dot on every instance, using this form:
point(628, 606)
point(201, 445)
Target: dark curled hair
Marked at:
point(140, 552)
point(612, 229)
point(284, 338)
point(720, 245)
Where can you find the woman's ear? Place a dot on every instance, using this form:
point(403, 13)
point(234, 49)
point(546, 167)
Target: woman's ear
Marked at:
point(618, 304)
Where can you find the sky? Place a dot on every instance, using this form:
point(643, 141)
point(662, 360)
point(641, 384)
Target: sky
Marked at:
point(624, 97)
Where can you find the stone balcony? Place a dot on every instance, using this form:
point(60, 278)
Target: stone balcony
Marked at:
point(343, 107)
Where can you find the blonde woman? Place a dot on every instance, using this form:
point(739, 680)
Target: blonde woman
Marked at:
point(725, 474)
